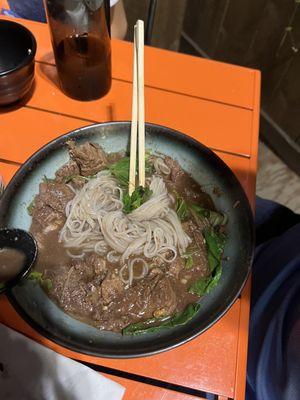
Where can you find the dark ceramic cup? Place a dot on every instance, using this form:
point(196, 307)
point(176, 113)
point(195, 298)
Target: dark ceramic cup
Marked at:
point(17, 52)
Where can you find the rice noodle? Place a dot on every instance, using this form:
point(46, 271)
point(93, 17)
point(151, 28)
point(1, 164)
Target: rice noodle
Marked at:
point(95, 222)
point(130, 270)
point(160, 166)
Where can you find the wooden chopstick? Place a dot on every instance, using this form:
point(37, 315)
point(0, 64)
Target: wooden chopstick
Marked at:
point(138, 110)
point(141, 105)
point(133, 132)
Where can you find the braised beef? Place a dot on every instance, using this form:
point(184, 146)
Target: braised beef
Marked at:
point(50, 204)
point(67, 171)
point(152, 296)
point(89, 157)
point(183, 183)
point(200, 256)
point(76, 287)
point(111, 288)
point(55, 195)
point(176, 267)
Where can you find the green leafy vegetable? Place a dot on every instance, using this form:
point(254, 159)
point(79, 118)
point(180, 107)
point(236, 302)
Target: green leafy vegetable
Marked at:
point(189, 262)
point(35, 276)
point(138, 197)
point(30, 207)
point(182, 208)
point(153, 325)
point(69, 178)
point(47, 284)
point(120, 170)
point(215, 243)
point(214, 278)
point(188, 256)
point(199, 287)
point(2, 285)
point(47, 180)
point(215, 218)
point(190, 251)
point(38, 277)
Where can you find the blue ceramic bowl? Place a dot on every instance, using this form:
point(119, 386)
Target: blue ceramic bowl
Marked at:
point(205, 167)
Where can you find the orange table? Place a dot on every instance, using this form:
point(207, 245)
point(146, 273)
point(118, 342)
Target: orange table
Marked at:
point(216, 103)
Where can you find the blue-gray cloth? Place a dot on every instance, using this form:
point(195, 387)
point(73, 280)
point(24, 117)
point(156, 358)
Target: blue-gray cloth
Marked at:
point(273, 371)
point(28, 9)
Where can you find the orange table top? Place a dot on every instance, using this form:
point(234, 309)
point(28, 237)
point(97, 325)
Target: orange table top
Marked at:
point(217, 104)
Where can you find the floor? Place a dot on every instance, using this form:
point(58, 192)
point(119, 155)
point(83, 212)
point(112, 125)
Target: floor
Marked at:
point(275, 181)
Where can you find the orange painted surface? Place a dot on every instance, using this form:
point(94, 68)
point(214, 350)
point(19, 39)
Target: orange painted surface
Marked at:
point(241, 370)
point(7, 171)
point(23, 131)
point(38, 127)
point(206, 363)
point(165, 70)
point(117, 106)
point(141, 391)
point(215, 361)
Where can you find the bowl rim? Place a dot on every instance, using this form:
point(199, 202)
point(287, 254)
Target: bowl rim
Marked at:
point(30, 57)
point(158, 348)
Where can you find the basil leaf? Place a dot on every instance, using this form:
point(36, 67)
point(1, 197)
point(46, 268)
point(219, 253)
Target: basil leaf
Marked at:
point(138, 197)
point(30, 208)
point(148, 326)
point(215, 243)
point(46, 283)
point(199, 287)
point(35, 275)
point(120, 170)
point(182, 209)
point(47, 180)
point(67, 179)
point(190, 251)
point(215, 218)
point(38, 277)
point(189, 262)
point(214, 279)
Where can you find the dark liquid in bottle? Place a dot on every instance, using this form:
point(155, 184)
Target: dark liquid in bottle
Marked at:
point(84, 66)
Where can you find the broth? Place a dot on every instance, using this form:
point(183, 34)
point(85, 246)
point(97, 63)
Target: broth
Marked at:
point(112, 260)
point(11, 263)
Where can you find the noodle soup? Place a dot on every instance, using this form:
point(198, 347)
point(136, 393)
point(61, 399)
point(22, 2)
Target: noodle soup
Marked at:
point(131, 264)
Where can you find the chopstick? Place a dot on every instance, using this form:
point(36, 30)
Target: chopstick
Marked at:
point(141, 106)
point(133, 132)
point(138, 110)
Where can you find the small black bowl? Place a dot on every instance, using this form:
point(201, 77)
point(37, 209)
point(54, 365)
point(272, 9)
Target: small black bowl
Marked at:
point(24, 242)
point(17, 52)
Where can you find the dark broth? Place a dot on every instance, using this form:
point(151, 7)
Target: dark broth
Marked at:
point(90, 287)
point(11, 263)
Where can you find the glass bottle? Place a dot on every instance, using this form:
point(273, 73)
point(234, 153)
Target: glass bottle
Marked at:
point(80, 33)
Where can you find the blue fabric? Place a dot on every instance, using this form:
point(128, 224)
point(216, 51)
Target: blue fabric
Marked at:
point(273, 371)
point(8, 13)
point(28, 9)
